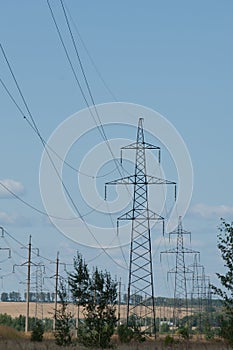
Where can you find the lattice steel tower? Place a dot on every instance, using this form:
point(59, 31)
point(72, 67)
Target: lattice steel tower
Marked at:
point(39, 292)
point(140, 301)
point(180, 271)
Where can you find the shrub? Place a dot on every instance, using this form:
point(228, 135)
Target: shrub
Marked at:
point(37, 332)
point(125, 333)
point(169, 340)
point(184, 332)
point(63, 319)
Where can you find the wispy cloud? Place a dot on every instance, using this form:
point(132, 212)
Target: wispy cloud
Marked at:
point(9, 187)
point(14, 219)
point(209, 211)
point(5, 218)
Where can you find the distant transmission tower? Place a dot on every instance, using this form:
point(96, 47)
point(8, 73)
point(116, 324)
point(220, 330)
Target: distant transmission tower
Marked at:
point(39, 292)
point(140, 301)
point(2, 236)
point(198, 289)
point(180, 271)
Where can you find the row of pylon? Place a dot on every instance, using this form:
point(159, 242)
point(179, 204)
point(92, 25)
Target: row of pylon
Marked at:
point(141, 310)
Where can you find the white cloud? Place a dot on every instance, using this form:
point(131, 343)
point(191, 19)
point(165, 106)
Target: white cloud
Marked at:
point(14, 219)
point(7, 219)
point(9, 186)
point(209, 211)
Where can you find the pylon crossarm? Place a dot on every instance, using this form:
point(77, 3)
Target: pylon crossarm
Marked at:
point(140, 214)
point(136, 215)
point(190, 251)
point(152, 180)
point(9, 251)
point(140, 180)
point(184, 250)
point(128, 180)
point(175, 271)
point(139, 145)
point(184, 232)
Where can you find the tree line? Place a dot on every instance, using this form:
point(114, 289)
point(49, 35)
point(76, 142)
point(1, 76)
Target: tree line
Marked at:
point(45, 297)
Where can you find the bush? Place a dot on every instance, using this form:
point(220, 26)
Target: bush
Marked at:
point(138, 335)
point(164, 328)
point(184, 332)
point(169, 340)
point(62, 333)
point(92, 333)
point(125, 333)
point(37, 332)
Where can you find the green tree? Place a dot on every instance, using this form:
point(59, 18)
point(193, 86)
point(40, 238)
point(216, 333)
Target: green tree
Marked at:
point(97, 293)
point(4, 296)
point(225, 245)
point(37, 331)
point(63, 319)
point(14, 296)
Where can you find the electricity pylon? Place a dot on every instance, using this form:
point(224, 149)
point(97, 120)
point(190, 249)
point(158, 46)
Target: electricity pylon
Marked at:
point(180, 271)
point(1, 248)
point(140, 301)
point(197, 290)
point(28, 263)
point(40, 269)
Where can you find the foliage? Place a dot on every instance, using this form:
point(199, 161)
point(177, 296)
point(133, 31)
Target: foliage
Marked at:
point(18, 323)
point(164, 328)
point(138, 336)
point(125, 333)
point(97, 294)
point(79, 281)
point(4, 296)
point(183, 332)
point(37, 331)
point(225, 245)
point(63, 318)
point(168, 340)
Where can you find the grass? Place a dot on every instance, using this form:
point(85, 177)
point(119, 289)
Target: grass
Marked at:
point(26, 344)
point(10, 339)
point(10, 333)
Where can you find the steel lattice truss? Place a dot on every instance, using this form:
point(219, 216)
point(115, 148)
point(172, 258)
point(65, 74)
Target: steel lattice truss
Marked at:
point(140, 305)
point(180, 270)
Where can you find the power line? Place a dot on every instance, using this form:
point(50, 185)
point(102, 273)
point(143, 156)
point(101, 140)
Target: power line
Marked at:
point(90, 57)
point(102, 131)
point(55, 169)
point(39, 135)
point(47, 145)
point(100, 125)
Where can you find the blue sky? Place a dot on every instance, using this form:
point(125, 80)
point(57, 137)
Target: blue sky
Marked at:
point(172, 56)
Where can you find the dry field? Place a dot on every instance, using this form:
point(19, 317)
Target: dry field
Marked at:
point(13, 340)
point(19, 308)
